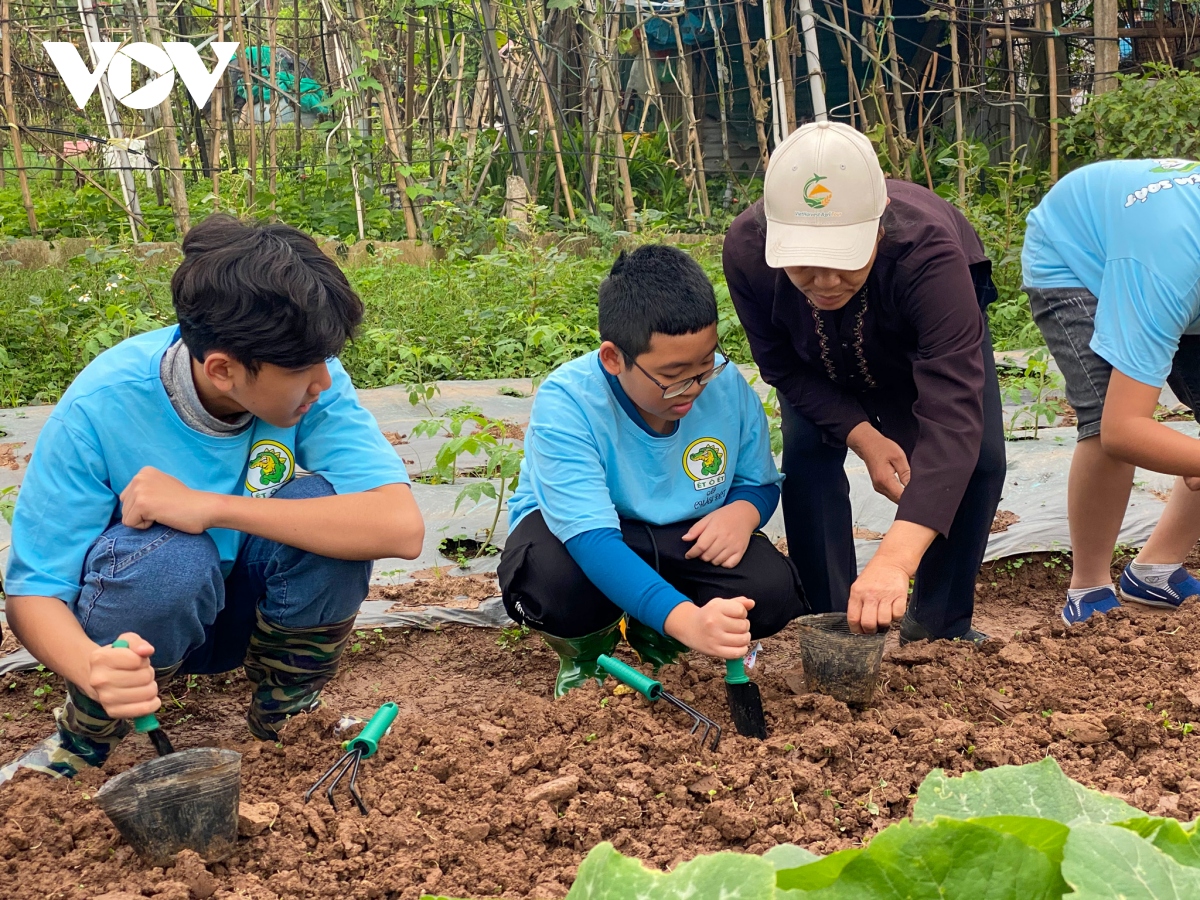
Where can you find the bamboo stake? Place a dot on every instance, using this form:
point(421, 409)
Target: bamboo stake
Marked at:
point(273, 105)
point(930, 68)
point(91, 26)
point(430, 90)
point(176, 189)
point(784, 65)
point(410, 76)
point(689, 106)
point(151, 121)
point(857, 91)
point(812, 60)
point(512, 129)
point(722, 81)
point(776, 90)
point(1012, 83)
point(611, 95)
point(551, 122)
point(456, 120)
point(897, 94)
point(847, 61)
point(299, 93)
point(1052, 66)
point(342, 67)
point(874, 53)
point(391, 129)
point(956, 82)
point(239, 34)
point(478, 104)
point(656, 90)
point(218, 97)
point(756, 101)
point(10, 109)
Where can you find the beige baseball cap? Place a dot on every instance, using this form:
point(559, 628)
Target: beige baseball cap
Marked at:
point(823, 196)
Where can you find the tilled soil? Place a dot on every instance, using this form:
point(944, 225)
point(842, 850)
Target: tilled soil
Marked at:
point(488, 787)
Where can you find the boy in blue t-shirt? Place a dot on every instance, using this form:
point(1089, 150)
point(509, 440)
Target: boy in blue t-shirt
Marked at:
point(162, 504)
point(647, 474)
point(1111, 264)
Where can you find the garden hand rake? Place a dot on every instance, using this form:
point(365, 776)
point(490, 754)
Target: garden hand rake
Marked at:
point(357, 749)
point(653, 690)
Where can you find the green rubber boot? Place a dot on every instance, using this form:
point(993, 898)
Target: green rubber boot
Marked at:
point(288, 668)
point(651, 647)
point(578, 657)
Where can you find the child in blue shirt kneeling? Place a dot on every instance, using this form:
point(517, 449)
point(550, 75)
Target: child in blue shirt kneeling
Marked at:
point(162, 504)
point(647, 474)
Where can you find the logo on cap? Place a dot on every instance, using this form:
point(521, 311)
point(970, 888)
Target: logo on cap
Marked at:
point(816, 195)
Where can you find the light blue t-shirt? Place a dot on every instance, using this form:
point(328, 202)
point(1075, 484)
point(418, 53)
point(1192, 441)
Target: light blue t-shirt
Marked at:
point(1129, 232)
point(116, 418)
point(588, 464)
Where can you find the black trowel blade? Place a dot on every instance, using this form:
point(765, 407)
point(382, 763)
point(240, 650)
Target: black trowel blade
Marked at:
point(746, 708)
point(161, 743)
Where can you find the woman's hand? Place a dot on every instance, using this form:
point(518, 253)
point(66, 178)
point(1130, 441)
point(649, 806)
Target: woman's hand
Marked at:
point(885, 460)
point(878, 597)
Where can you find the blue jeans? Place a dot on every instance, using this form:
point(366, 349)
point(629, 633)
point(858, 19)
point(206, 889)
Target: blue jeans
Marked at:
point(167, 586)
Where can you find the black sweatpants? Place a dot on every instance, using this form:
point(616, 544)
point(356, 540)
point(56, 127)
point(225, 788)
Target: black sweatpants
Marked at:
point(544, 588)
point(819, 522)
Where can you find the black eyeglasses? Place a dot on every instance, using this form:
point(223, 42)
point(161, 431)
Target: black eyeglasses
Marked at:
point(675, 388)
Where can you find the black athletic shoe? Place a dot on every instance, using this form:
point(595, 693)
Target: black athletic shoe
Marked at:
point(912, 630)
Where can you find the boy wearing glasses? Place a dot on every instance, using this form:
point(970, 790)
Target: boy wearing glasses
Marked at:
point(647, 474)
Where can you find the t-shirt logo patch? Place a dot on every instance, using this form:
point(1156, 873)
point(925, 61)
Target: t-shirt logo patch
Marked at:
point(704, 461)
point(271, 466)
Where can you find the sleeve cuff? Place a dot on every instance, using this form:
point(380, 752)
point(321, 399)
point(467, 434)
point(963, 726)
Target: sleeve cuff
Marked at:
point(765, 498)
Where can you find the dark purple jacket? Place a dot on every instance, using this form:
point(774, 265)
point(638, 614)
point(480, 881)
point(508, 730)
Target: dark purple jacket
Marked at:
point(903, 354)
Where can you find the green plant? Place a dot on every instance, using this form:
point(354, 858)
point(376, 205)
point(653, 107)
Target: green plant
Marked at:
point(1150, 114)
point(460, 443)
point(1011, 833)
point(1039, 380)
point(8, 502)
point(510, 638)
point(774, 421)
point(503, 467)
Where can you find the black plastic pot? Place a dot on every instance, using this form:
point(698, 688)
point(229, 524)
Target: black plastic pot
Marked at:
point(838, 662)
point(185, 801)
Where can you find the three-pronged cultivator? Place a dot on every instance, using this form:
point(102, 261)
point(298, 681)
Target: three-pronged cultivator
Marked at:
point(357, 749)
point(653, 690)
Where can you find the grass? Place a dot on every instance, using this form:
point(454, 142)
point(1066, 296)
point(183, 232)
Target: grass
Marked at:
point(511, 313)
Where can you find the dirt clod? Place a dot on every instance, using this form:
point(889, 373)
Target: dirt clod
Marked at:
point(554, 791)
point(1016, 654)
point(1004, 519)
point(255, 818)
point(189, 870)
point(1081, 729)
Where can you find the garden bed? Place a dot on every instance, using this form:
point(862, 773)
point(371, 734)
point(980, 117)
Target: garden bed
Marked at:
point(488, 787)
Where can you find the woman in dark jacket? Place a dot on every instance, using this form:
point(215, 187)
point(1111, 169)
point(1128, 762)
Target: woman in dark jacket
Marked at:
point(864, 302)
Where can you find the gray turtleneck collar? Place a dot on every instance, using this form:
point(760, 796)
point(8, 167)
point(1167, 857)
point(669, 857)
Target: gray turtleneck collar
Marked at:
point(176, 374)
